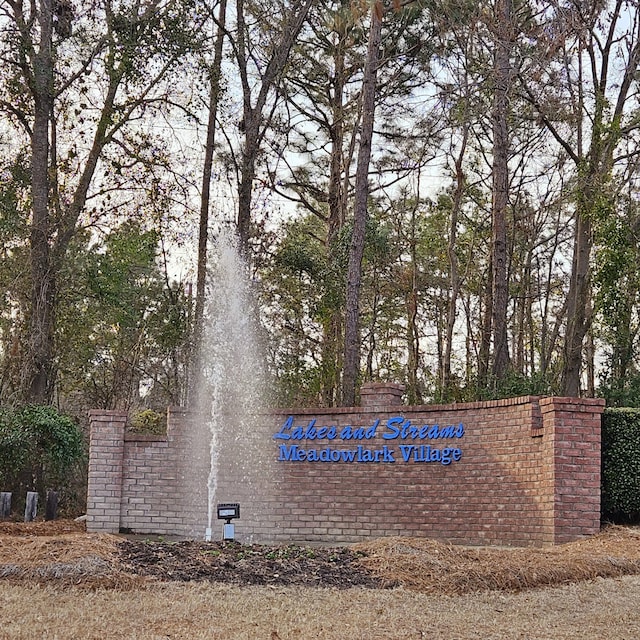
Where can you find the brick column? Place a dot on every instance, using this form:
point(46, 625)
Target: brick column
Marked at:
point(572, 427)
point(104, 488)
point(381, 394)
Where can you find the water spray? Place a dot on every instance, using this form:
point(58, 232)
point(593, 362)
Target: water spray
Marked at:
point(232, 374)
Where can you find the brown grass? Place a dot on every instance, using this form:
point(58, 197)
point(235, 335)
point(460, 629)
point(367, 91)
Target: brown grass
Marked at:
point(61, 582)
point(589, 611)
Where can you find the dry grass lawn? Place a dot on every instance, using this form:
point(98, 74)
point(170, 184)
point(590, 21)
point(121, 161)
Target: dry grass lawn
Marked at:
point(64, 583)
point(595, 610)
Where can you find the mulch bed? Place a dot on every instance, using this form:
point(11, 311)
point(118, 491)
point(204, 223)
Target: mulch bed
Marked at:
point(234, 563)
point(41, 528)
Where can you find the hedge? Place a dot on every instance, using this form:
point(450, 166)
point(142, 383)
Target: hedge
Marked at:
point(620, 496)
point(39, 448)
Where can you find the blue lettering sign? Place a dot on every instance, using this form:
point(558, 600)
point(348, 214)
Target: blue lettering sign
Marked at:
point(393, 430)
point(288, 431)
point(406, 450)
point(396, 428)
point(282, 434)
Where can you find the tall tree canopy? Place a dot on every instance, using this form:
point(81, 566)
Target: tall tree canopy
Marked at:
point(80, 88)
point(437, 192)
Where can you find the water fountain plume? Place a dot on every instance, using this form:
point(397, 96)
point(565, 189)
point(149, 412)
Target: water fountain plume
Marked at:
point(231, 392)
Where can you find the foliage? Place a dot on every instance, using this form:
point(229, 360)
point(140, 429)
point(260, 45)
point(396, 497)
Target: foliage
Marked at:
point(148, 421)
point(79, 96)
point(616, 298)
point(621, 465)
point(301, 289)
point(513, 385)
point(123, 326)
point(123, 132)
point(13, 270)
point(13, 450)
point(621, 393)
point(39, 448)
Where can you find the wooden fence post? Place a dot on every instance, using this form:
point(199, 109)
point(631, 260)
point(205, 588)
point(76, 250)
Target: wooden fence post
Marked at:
point(51, 510)
point(5, 504)
point(31, 507)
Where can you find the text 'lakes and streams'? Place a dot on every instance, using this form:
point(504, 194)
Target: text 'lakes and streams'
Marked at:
point(410, 440)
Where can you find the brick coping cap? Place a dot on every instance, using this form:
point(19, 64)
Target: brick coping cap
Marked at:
point(395, 408)
point(371, 387)
point(108, 412)
point(589, 402)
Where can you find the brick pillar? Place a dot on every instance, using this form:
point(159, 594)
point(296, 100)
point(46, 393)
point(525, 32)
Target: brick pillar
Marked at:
point(104, 488)
point(572, 430)
point(381, 394)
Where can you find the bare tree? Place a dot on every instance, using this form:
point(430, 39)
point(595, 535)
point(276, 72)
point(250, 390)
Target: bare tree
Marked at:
point(255, 122)
point(587, 65)
point(360, 211)
point(127, 51)
point(215, 77)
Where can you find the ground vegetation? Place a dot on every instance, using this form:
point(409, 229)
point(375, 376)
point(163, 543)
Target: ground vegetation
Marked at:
point(376, 589)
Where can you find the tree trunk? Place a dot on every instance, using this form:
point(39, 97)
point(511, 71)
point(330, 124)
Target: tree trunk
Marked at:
point(454, 279)
point(245, 191)
point(414, 394)
point(203, 229)
point(360, 214)
point(577, 304)
point(336, 132)
point(485, 330)
point(332, 339)
point(502, 85)
point(38, 375)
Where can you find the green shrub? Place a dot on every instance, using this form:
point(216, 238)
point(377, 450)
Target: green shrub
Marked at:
point(148, 421)
point(13, 447)
point(39, 448)
point(621, 465)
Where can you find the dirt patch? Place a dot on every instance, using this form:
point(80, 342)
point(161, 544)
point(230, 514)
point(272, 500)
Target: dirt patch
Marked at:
point(61, 552)
point(233, 563)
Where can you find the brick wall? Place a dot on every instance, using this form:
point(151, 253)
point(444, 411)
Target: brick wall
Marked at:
point(528, 474)
point(142, 483)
